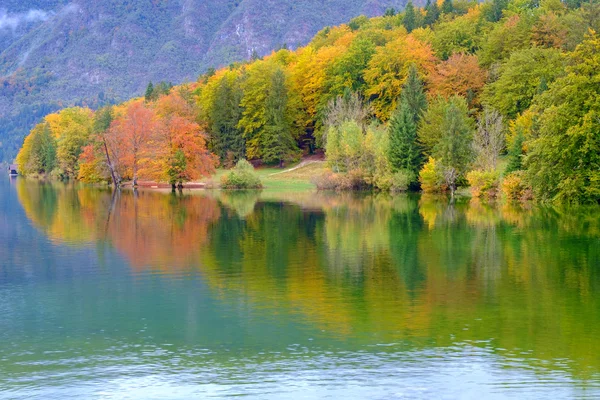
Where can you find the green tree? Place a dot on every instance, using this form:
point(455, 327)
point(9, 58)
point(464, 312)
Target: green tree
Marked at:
point(278, 142)
point(447, 133)
point(494, 11)
point(404, 149)
point(432, 13)
point(563, 161)
point(515, 154)
point(410, 17)
point(520, 79)
point(447, 7)
point(227, 139)
point(149, 91)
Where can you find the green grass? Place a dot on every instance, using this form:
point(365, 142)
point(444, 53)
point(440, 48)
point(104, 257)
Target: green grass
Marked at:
point(275, 179)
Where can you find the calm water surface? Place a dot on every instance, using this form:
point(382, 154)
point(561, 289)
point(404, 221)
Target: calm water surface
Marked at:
point(293, 295)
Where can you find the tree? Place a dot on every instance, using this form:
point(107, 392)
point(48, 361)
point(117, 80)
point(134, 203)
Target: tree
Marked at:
point(134, 129)
point(178, 150)
point(72, 128)
point(278, 142)
point(520, 79)
point(410, 17)
point(149, 91)
point(390, 67)
point(404, 149)
point(432, 13)
point(102, 121)
point(220, 100)
point(259, 106)
point(460, 74)
point(495, 10)
point(447, 132)
point(488, 141)
point(38, 153)
point(563, 159)
point(515, 154)
point(447, 7)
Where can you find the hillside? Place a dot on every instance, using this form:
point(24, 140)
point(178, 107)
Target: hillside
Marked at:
point(58, 53)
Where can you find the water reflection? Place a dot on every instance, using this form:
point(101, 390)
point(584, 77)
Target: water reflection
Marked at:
point(518, 282)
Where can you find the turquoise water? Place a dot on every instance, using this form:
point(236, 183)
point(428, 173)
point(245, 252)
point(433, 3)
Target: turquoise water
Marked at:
point(293, 295)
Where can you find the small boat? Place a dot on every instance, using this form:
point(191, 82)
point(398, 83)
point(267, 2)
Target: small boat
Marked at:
point(12, 170)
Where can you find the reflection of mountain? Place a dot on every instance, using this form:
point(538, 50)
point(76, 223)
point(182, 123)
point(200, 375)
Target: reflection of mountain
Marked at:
point(364, 268)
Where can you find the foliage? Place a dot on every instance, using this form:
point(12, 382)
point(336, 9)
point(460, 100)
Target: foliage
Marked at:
point(488, 141)
point(241, 177)
point(563, 162)
point(521, 78)
point(484, 183)
point(402, 179)
point(430, 177)
point(515, 188)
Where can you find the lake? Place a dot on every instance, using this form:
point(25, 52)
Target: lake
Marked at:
point(278, 295)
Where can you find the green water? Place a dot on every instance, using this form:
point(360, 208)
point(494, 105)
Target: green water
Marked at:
point(294, 295)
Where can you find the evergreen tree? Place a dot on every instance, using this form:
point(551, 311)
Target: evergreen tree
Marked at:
point(494, 13)
point(227, 140)
point(413, 94)
point(410, 17)
point(405, 151)
point(447, 7)
point(515, 154)
point(278, 142)
point(432, 13)
point(149, 91)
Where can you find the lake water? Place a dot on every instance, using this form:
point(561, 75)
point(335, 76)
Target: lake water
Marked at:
point(278, 295)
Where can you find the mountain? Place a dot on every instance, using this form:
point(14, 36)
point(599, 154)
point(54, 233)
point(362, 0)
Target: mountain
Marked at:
point(55, 53)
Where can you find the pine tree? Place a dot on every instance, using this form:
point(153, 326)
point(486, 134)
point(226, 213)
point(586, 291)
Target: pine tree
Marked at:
point(515, 154)
point(432, 13)
point(413, 94)
point(149, 91)
point(278, 142)
point(405, 151)
point(447, 7)
point(227, 139)
point(410, 17)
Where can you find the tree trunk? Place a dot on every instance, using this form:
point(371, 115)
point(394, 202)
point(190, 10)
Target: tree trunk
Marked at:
point(110, 166)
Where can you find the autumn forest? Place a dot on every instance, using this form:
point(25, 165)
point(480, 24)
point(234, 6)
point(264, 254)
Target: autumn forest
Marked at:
point(502, 97)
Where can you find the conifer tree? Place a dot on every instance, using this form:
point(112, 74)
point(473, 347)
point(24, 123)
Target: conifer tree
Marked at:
point(447, 7)
point(410, 17)
point(149, 91)
point(404, 151)
point(515, 154)
point(432, 13)
point(278, 141)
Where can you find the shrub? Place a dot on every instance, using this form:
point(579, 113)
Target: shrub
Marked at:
point(515, 188)
point(484, 183)
point(352, 180)
point(430, 177)
point(241, 177)
point(402, 179)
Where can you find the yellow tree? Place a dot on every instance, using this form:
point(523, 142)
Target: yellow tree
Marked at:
point(388, 70)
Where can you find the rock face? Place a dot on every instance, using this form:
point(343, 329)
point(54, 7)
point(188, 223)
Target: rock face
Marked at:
point(55, 53)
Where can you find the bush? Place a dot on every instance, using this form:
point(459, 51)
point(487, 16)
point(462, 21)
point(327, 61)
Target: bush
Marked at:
point(241, 177)
point(402, 179)
point(430, 177)
point(352, 180)
point(515, 188)
point(484, 183)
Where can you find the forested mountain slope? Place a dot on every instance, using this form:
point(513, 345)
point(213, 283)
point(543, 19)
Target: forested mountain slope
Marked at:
point(55, 53)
